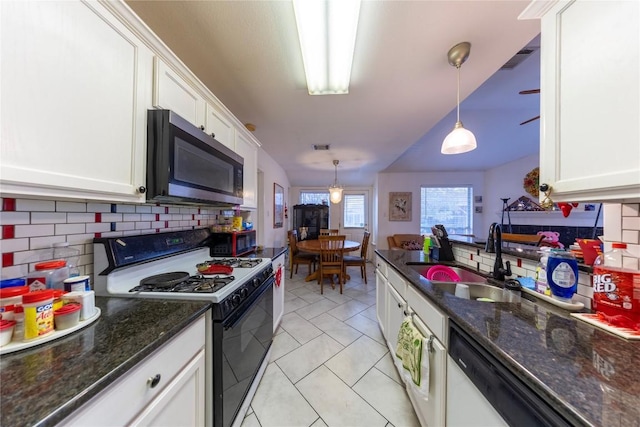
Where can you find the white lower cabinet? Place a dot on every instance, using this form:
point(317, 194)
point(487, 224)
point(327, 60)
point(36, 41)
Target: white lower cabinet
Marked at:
point(381, 298)
point(167, 388)
point(76, 85)
point(396, 306)
point(278, 291)
point(466, 406)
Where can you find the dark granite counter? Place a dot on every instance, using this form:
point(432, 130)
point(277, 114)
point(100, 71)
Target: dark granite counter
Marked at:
point(589, 375)
point(272, 253)
point(44, 384)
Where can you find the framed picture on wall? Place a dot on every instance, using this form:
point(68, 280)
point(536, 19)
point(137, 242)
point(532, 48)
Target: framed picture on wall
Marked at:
point(278, 206)
point(399, 206)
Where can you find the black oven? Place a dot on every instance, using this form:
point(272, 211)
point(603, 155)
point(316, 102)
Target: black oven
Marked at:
point(240, 343)
point(185, 165)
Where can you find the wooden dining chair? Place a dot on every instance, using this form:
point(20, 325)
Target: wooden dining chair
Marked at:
point(331, 260)
point(296, 257)
point(359, 261)
point(329, 231)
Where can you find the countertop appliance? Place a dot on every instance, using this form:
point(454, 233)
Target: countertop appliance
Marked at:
point(233, 243)
point(185, 165)
point(170, 265)
point(488, 393)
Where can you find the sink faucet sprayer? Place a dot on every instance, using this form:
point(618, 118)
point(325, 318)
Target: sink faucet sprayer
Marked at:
point(495, 237)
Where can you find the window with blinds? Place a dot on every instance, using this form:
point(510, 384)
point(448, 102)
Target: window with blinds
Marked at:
point(449, 206)
point(354, 210)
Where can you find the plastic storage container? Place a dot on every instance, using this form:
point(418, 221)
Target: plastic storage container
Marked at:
point(62, 251)
point(86, 299)
point(9, 297)
point(562, 274)
point(53, 273)
point(67, 316)
point(18, 316)
point(6, 331)
point(616, 290)
point(541, 285)
point(38, 313)
point(10, 283)
point(77, 284)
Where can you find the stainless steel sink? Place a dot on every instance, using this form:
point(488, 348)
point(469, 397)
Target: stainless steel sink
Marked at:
point(476, 290)
point(466, 276)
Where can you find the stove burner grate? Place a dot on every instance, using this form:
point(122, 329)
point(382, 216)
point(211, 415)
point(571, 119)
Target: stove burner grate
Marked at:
point(193, 284)
point(236, 262)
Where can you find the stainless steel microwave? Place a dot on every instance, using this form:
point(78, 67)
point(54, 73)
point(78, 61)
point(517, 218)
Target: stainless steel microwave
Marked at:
point(185, 165)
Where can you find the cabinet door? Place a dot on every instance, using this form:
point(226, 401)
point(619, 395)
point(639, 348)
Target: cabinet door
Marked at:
point(76, 86)
point(590, 128)
point(172, 92)
point(219, 126)
point(381, 305)
point(182, 402)
point(429, 402)
point(278, 291)
point(396, 306)
point(249, 152)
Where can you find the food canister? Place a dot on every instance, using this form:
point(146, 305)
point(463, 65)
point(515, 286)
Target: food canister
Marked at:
point(38, 313)
point(10, 283)
point(6, 331)
point(10, 297)
point(67, 316)
point(86, 299)
point(54, 273)
point(77, 284)
point(58, 298)
point(237, 223)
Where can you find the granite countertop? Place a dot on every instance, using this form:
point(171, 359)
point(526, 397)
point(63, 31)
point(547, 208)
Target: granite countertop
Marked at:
point(589, 375)
point(272, 253)
point(44, 384)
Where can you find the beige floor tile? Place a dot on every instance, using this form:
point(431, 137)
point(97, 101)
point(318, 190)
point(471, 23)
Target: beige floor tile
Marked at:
point(319, 423)
point(336, 329)
point(388, 397)
point(301, 329)
point(283, 344)
point(298, 363)
point(370, 313)
point(278, 403)
point(348, 310)
point(250, 421)
point(308, 295)
point(336, 403)
point(386, 366)
point(356, 359)
point(317, 308)
point(294, 304)
point(366, 326)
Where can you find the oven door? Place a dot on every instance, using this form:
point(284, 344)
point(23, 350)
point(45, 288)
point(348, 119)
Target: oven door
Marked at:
point(246, 337)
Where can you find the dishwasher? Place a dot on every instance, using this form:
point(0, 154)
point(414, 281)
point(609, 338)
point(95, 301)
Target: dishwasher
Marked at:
point(482, 391)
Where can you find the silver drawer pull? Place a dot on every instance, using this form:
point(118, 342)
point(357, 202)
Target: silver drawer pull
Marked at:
point(154, 381)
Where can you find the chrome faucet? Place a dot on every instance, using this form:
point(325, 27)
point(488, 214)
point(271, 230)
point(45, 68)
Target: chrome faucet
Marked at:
point(499, 272)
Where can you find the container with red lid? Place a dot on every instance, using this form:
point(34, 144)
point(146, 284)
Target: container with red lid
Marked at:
point(10, 297)
point(68, 316)
point(6, 331)
point(38, 313)
point(53, 272)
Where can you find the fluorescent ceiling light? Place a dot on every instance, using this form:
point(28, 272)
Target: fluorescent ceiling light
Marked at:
point(327, 31)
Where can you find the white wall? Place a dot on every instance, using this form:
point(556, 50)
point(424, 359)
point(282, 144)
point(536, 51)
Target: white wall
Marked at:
point(411, 182)
point(270, 173)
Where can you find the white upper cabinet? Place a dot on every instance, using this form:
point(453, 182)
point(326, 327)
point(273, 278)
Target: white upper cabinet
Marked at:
point(590, 103)
point(249, 152)
point(218, 125)
point(172, 92)
point(76, 86)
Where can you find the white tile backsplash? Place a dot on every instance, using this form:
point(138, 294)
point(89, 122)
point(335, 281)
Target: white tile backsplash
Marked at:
point(98, 207)
point(48, 218)
point(29, 205)
point(71, 207)
point(34, 230)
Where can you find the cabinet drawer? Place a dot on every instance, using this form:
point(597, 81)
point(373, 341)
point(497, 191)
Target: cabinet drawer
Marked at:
point(129, 395)
point(381, 266)
point(431, 316)
point(398, 282)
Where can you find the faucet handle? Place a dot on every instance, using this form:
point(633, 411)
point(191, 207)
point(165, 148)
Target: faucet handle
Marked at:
point(508, 270)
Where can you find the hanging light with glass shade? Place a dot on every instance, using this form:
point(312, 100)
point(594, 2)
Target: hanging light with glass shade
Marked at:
point(459, 140)
point(335, 190)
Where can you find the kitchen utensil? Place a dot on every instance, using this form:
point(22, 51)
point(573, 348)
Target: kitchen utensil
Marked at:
point(442, 273)
point(216, 269)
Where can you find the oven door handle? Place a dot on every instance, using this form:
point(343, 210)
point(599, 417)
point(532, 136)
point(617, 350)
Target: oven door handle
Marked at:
point(240, 314)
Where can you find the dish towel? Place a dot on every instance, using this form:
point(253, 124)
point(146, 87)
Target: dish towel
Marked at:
point(410, 351)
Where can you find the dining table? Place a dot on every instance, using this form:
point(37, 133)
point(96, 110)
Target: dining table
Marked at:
point(313, 246)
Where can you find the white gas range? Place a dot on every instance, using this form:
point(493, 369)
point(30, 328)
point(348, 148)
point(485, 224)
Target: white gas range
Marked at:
point(178, 265)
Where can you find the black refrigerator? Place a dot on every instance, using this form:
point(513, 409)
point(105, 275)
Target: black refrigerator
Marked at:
point(309, 219)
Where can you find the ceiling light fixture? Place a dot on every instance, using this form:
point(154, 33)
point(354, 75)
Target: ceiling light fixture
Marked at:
point(459, 140)
point(327, 32)
point(335, 190)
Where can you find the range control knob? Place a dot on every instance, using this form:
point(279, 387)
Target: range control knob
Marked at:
point(235, 300)
point(244, 292)
point(256, 282)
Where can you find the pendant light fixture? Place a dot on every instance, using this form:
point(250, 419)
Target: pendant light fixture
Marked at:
point(335, 190)
point(459, 140)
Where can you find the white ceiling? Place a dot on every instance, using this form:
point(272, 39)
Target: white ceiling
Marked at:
point(401, 102)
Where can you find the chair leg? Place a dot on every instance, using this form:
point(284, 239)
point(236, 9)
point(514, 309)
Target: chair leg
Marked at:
point(291, 270)
point(363, 268)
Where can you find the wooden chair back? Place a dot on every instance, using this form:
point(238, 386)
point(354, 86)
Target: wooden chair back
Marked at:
point(329, 231)
point(365, 245)
point(293, 242)
point(331, 259)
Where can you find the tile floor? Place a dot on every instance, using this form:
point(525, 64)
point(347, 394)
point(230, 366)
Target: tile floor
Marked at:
point(329, 363)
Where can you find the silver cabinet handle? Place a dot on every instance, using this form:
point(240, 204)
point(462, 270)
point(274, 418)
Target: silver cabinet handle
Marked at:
point(154, 381)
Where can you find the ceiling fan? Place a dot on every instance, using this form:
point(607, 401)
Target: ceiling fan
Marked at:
point(529, 92)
